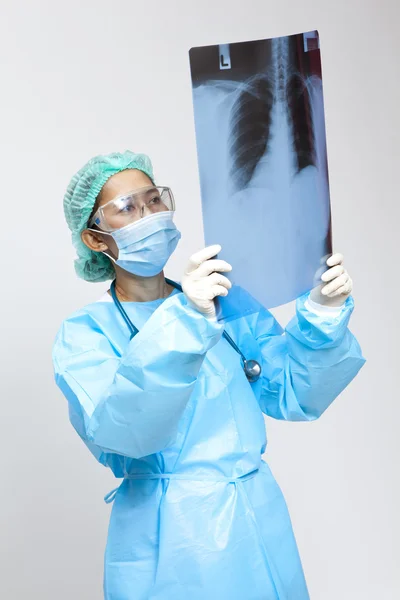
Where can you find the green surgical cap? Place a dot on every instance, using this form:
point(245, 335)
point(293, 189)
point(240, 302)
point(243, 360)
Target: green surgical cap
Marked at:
point(80, 199)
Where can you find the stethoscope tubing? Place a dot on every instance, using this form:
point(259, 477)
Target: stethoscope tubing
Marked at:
point(134, 330)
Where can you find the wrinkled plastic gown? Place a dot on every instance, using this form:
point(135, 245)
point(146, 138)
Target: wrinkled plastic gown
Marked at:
point(198, 514)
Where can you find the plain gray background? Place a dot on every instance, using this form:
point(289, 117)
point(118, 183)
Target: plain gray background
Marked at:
point(87, 77)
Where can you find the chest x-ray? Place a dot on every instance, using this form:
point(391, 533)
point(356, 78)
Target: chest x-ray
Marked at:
point(260, 133)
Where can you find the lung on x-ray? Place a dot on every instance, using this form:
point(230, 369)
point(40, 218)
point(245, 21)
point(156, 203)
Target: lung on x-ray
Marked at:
point(261, 144)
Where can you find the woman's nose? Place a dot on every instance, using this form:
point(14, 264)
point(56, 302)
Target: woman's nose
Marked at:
point(144, 210)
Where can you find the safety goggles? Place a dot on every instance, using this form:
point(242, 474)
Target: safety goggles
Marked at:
point(125, 210)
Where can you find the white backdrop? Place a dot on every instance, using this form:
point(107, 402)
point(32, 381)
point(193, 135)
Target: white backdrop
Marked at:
point(87, 77)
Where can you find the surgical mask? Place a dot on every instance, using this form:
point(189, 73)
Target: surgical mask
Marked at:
point(146, 245)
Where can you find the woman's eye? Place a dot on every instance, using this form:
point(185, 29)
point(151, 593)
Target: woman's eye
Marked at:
point(155, 200)
point(127, 208)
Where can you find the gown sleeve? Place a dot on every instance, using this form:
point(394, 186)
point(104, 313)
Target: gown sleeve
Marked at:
point(309, 364)
point(130, 404)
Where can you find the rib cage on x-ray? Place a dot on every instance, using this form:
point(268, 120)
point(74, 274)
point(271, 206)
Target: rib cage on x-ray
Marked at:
point(263, 173)
point(250, 119)
point(250, 122)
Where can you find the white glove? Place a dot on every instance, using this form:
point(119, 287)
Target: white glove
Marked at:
point(338, 284)
point(202, 280)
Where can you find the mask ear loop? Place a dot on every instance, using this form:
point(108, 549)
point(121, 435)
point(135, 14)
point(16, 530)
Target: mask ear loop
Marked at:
point(103, 233)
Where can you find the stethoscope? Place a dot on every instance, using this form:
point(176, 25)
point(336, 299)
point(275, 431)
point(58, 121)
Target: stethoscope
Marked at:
point(251, 368)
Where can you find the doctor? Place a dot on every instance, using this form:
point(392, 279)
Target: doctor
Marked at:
point(158, 391)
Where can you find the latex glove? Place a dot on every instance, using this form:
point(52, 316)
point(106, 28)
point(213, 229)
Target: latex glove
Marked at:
point(202, 280)
point(337, 284)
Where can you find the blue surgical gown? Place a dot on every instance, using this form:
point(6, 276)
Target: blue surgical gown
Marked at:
point(198, 514)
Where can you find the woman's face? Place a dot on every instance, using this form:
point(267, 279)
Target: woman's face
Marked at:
point(119, 184)
point(125, 208)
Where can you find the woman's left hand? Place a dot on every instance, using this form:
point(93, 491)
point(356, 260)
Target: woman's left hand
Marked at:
point(337, 285)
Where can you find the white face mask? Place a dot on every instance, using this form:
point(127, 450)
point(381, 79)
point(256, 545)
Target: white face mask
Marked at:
point(145, 246)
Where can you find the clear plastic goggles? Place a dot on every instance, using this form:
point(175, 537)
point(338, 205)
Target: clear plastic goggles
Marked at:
point(133, 206)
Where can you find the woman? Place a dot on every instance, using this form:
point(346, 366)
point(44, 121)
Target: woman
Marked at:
point(158, 393)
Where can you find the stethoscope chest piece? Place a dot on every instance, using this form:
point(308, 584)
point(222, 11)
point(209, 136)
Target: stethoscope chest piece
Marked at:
point(252, 370)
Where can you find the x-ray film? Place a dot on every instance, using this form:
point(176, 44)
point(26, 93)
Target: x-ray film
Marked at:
point(260, 134)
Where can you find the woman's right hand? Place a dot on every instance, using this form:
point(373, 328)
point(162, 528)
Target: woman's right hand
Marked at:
point(202, 280)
